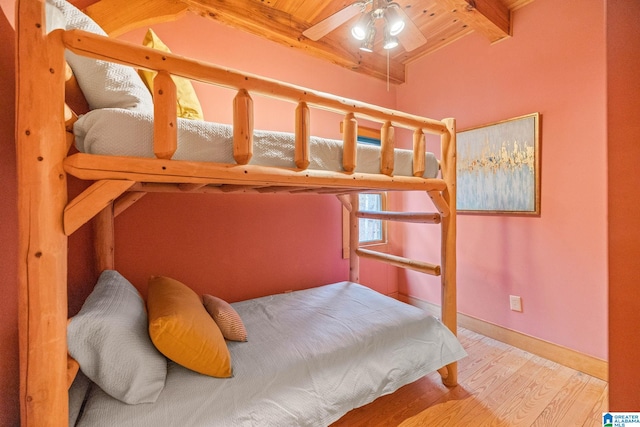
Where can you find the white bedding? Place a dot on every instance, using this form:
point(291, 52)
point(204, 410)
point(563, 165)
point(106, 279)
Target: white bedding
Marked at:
point(121, 132)
point(311, 356)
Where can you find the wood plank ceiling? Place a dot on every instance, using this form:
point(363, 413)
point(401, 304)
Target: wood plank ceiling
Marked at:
point(441, 22)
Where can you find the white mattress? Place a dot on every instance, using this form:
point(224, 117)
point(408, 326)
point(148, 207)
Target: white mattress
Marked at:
point(311, 356)
point(121, 132)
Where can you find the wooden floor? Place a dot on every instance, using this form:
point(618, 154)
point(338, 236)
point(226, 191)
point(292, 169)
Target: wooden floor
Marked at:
point(499, 385)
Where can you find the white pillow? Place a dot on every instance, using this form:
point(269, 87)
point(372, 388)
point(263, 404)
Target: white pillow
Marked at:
point(110, 340)
point(104, 84)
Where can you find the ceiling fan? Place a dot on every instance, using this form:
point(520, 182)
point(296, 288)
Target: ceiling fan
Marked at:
point(398, 28)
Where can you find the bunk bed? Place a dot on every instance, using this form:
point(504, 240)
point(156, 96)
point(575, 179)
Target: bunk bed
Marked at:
point(45, 125)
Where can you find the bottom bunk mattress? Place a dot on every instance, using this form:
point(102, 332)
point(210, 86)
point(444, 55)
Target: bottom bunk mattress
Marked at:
point(121, 132)
point(311, 356)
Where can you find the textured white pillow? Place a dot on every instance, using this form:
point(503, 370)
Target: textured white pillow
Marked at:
point(104, 84)
point(110, 340)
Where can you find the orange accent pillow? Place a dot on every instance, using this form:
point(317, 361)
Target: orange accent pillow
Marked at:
point(182, 330)
point(227, 319)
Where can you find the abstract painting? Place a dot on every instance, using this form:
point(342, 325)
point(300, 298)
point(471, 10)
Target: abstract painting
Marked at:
point(499, 167)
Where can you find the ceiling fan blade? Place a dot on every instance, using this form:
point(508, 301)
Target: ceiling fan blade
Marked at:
point(411, 37)
point(332, 22)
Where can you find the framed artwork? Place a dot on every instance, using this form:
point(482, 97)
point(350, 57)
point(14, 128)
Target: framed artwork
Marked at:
point(499, 167)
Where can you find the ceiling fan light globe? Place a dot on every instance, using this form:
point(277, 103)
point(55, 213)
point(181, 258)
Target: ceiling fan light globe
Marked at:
point(390, 43)
point(394, 21)
point(396, 27)
point(358, 32)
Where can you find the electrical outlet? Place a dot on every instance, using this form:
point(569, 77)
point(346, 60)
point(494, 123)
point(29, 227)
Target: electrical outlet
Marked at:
point(515, 302)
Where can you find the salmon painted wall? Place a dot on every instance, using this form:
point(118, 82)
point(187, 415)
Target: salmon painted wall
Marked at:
point(623, 93)
point(241, 245)
point(555, 65)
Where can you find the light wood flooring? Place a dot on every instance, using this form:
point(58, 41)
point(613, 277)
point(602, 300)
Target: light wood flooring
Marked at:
point(499, 385)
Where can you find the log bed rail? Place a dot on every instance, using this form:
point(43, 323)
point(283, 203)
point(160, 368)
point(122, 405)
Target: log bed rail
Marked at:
point(47, 218)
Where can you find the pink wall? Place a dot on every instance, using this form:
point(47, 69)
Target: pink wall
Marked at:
point(241, 245)
point(554, 64)
point(623, 88)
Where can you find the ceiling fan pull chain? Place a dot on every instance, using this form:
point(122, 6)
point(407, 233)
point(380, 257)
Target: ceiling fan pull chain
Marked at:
point(387, 70)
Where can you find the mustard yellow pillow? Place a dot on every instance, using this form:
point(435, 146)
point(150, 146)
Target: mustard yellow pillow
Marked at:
point(227, 319)
point(183, 331)
point(188, 103)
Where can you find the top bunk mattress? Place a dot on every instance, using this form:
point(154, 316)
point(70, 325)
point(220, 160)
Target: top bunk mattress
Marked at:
point(311, 356)
point(123, 132)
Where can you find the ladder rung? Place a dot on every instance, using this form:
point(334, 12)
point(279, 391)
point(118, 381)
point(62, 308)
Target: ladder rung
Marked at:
point(398, 261)
point(422, 217)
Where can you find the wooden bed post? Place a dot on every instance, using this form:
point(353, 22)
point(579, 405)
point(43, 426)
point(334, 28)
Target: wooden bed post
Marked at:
point(354, 238)
point(42, 195)
point(419, 149)
point(303, 135)
point(449, 305)
point(104, 239)
point(387, 147)
point(242, 127)
point(350, 142)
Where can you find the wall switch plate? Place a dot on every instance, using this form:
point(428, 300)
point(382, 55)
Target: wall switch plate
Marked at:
point(515, 302)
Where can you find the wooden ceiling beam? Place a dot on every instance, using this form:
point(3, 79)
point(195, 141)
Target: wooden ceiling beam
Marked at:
point(488, 17)
point(116, 17)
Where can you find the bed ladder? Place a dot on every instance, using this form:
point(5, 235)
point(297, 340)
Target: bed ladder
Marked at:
point(447, 269)
point(351, 203)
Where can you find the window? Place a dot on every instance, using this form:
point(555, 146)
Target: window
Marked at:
point(372, 231)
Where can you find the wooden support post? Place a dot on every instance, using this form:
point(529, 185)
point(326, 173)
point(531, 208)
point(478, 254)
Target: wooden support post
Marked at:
point(418, 152)
point(449, 305)
point(354, 239)
point(91, 201)
point(345, 199)
point(104, 239)
point(387, 146)
point(42, 195)
point(440, 202)
point(165, 119)
point(242, 127)
point(350, 142)
point(303, 135)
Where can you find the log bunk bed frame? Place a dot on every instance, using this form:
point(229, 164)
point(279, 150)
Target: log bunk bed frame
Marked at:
point(47, 218)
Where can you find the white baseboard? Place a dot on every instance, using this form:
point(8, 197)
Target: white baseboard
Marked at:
point(565, 356)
